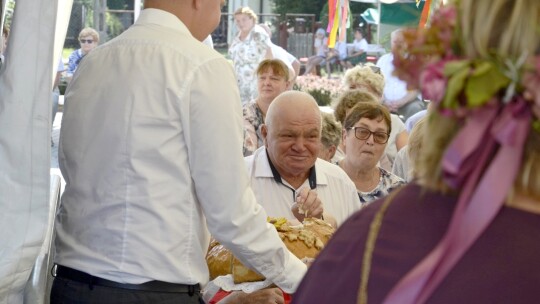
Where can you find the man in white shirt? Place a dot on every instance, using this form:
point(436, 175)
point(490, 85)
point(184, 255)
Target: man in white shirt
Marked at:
point(144, 179)
point(287, 169)
point(287, 165)
point(396, 96)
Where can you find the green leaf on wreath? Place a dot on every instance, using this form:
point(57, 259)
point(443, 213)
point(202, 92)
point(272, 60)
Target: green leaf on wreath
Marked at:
point(485, 81)
point(452, 67)
point(457, 73)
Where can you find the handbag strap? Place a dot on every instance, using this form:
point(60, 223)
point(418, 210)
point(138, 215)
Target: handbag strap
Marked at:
point(373, 233)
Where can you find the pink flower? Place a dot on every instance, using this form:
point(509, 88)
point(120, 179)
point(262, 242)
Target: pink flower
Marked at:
point(433, 82)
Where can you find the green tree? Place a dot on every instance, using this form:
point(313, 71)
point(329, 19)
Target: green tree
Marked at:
point(299, 7)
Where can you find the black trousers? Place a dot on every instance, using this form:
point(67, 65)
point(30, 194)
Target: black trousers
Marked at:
point(65, 291)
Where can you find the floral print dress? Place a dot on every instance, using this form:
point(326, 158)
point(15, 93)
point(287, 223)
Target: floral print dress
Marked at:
point(387, 183)
point(253, 119)
point(246, 55)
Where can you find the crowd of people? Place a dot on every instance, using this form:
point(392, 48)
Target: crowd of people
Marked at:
point(156, 162)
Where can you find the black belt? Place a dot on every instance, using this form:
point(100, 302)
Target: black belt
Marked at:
point(154, 286)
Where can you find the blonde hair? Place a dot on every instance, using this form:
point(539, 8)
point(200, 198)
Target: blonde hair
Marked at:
point(350, 98)
point(364, 77)
point(502, 28)
point(414, 144)
point(88, 31)
point(246, 11)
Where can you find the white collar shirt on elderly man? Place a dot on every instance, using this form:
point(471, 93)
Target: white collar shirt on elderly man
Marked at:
point(335, 189)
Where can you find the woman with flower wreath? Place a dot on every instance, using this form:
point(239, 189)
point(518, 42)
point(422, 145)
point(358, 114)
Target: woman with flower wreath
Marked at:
point(468, 230)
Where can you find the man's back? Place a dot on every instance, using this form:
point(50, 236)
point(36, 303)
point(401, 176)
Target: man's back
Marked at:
point(130, 154)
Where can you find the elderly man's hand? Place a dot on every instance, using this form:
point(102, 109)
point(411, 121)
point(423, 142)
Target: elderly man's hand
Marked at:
point(263, 296)
point(307, 204)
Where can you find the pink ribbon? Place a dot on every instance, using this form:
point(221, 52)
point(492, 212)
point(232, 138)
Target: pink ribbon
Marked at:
point(484, 158)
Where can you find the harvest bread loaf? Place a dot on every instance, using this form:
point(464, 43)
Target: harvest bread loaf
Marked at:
point(304, 241)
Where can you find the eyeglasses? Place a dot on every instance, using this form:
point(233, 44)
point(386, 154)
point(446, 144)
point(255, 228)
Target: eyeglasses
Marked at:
point(89, 41)
point(363, 134)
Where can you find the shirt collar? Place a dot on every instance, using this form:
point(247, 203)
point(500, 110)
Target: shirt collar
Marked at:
point(265, 168)
point(262, 168)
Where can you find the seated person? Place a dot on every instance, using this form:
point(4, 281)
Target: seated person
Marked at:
point(335, 56)
point(406, 157)
point(89, 39)
point(358, 51)
point(366, 131)
point(289, 180)
point(368, 77)
point(272, 80)
point(321, 49)
point(330, 137)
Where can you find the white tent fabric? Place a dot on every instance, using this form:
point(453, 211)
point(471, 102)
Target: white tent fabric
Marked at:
point(25, 114)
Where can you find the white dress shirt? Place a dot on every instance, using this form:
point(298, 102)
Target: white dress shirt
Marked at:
point(335, 189)
point(151, 150)
point(391, 149)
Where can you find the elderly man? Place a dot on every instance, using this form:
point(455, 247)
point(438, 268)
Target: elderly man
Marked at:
point(286, 171)
point(289, 180)
point(144, 182)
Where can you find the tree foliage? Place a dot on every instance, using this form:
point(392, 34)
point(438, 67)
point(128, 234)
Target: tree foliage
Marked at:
point(317, 7)
point(283, 7)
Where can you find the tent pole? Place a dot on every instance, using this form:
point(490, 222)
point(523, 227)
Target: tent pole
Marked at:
point(136, 9)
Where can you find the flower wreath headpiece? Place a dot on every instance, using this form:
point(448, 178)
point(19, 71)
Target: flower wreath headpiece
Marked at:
point(496, 98)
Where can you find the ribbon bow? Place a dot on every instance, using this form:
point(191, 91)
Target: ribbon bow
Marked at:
point(483, 160)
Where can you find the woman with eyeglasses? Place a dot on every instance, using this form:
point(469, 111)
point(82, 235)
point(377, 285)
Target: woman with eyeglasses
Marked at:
point(366, 130)
point(370, 78)
point(89, 39)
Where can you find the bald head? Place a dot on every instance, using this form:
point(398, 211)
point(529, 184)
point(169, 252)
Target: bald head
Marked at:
point(292, 104)
point(292, 134)
point(200, 17)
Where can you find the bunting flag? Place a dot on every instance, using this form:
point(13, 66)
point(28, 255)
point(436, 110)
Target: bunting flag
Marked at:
point(425, 13)
point(338, 21)
point(429, 7)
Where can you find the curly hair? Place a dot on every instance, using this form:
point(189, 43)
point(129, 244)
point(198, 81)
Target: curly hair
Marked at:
point(246, 11)
point(364, 77)
point(348, 99)
point(331, 130)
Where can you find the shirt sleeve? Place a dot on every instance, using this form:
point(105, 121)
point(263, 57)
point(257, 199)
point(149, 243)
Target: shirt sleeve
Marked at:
point(72, 63)
point(60, 67)
point(234, 218)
